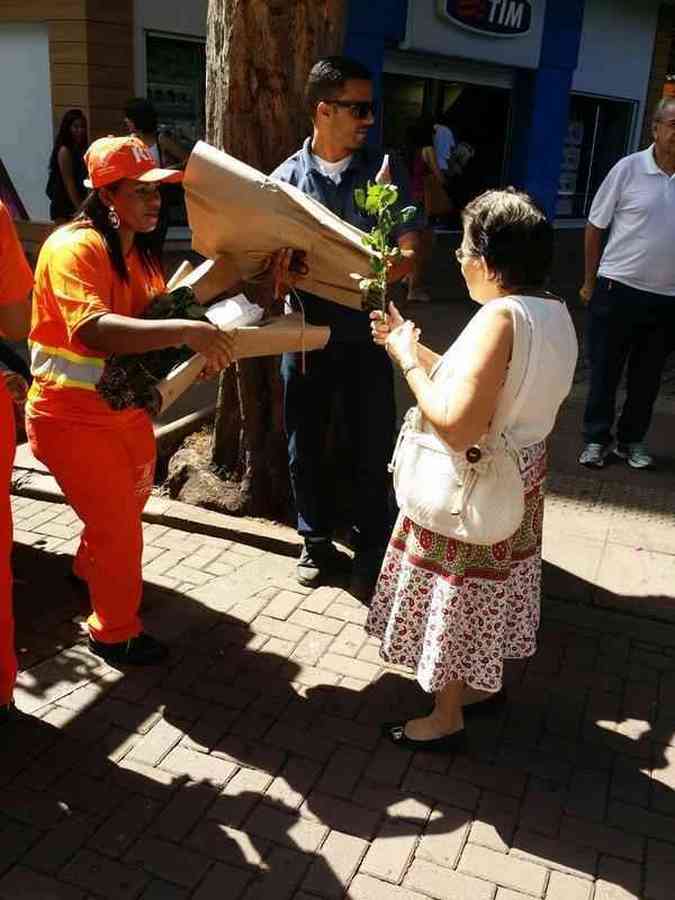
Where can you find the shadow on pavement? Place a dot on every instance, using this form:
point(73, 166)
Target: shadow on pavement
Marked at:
point(228, 767)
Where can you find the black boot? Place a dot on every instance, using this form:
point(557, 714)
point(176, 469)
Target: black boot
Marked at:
point(142, 650)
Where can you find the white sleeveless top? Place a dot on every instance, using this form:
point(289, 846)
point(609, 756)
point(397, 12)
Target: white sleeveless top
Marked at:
point(542, 364)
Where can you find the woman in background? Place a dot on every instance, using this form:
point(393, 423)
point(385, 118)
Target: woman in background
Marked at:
point(67, 170)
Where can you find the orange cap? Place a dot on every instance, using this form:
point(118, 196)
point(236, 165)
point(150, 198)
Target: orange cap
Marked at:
point(111, 158)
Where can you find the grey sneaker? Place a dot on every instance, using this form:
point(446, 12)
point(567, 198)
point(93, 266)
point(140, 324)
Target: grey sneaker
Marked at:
point(636, 455)
point(319, 560)
point(594, 455)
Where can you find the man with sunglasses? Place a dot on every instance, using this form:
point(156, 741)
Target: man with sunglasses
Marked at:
point(330, 165)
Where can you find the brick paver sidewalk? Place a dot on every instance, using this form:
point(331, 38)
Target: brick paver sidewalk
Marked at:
point(251, 766)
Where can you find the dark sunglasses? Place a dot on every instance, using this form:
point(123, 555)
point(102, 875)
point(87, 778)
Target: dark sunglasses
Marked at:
point(360, 109)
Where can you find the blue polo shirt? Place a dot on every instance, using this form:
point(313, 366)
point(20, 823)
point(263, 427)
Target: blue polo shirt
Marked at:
point(347, 325)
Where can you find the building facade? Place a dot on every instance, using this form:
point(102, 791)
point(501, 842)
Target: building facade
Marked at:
point(548, 93)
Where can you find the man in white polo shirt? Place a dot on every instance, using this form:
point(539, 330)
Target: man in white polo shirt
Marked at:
point(630, 289)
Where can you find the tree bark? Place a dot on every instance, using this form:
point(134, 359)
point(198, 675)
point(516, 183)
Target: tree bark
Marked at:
point(258, 56)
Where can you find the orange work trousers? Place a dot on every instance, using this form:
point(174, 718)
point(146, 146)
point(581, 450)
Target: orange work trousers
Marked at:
point(7, 448)
point(106, 474)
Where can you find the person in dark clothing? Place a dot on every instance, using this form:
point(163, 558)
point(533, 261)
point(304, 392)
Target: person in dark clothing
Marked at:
point(67, 171)
point(330, 165)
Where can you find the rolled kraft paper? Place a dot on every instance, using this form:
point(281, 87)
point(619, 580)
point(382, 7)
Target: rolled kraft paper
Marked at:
point(208, 280)
point(179, 380)
point(283, 334)
point(181, 272)
point(236, 211)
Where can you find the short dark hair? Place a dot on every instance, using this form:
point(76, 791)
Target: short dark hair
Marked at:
point(327, 79)
point(512, 234)
point(142, 113)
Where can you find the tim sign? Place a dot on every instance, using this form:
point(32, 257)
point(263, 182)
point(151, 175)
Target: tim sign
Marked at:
point(498, 18)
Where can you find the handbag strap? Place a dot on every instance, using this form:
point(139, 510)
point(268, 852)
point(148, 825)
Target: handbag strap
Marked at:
point(509, 411)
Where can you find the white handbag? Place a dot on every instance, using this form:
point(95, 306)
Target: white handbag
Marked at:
point(475, 497)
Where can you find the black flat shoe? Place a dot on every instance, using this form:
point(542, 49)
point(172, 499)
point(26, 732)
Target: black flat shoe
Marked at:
point(142, 650)
point(485, 707)
point(451, 743)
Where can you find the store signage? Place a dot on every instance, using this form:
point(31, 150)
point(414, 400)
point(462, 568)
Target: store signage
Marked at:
point(496, 18)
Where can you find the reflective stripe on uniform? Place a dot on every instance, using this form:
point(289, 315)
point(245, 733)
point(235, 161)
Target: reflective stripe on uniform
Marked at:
point(63, 368)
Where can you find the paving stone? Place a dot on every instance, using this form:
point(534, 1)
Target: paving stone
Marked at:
point(353, 668)
point(285, 828)
point(440, 787)
point(365, 737)
point(293, 783)
point(319, 600)
point(286, 869)
point(223, 882)
point(341, 815)
point(445, 885)
point(496, 836)
point(393, 803)
point(21, 883)
point(343, 771)
point(125, 826)
point(542, 807)
point(239, 797)
point(294, 741)
point(618, 880)
point(198, 766)
point(312, 647)
point(321, 623)
point(283, 604)
point(229, 844)
point(391, 851)
point(660, 873)
point(274, 628)
point(104, 877)
point(495, 778)
point(187, 806)
point(388, 764)
point(503, 870)
point(572, 858)
point(604, 838)
point(146, 780)
point(175, 864)
point(444, 837)
point(336, 863)
point(349, 641)
point(565, 887)
point(15, 840)
point(651, 824)
point(30, 807)
point(364, 887)
point(162, 890)
point(157, 743)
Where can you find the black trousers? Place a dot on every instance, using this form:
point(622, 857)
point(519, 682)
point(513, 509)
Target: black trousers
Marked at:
point(626, 329)
point(363, 374)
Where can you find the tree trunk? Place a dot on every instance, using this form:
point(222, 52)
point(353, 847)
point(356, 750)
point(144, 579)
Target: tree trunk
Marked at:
point(258, 56)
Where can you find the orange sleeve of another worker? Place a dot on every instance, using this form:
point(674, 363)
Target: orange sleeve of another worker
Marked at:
point(16, 278)
point(81, 280)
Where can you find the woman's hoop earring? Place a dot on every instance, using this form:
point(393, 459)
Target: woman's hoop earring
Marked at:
point(113, 218)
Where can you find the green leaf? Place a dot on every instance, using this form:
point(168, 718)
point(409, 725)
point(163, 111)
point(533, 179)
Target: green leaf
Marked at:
point(360, 198)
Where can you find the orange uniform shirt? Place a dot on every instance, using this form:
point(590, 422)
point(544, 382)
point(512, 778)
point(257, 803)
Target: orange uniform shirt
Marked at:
point(74, 283)
point(16, 278)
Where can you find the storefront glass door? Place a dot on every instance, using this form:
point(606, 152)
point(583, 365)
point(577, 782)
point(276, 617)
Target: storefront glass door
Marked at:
point(598, 135)
point(478, 115)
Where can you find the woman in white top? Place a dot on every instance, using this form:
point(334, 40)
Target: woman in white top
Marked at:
point(454, 611)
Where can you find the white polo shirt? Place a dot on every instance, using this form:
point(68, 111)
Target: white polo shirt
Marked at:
point(637, 199)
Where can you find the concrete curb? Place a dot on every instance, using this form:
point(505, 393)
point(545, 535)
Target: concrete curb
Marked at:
point(263, 535)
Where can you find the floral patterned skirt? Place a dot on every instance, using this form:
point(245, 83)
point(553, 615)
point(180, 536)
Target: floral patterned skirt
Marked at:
point(454, 611)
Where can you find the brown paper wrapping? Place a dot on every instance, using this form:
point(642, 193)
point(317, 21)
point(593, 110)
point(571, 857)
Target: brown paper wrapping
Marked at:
point(236, 211)
point(282, 334)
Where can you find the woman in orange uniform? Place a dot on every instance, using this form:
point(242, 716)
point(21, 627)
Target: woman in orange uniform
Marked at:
point(93, 278)
point(16, 280)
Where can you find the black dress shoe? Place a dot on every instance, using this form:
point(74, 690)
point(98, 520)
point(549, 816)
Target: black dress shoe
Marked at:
point(450, 743)
point(142, 650)
point(485, 707)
